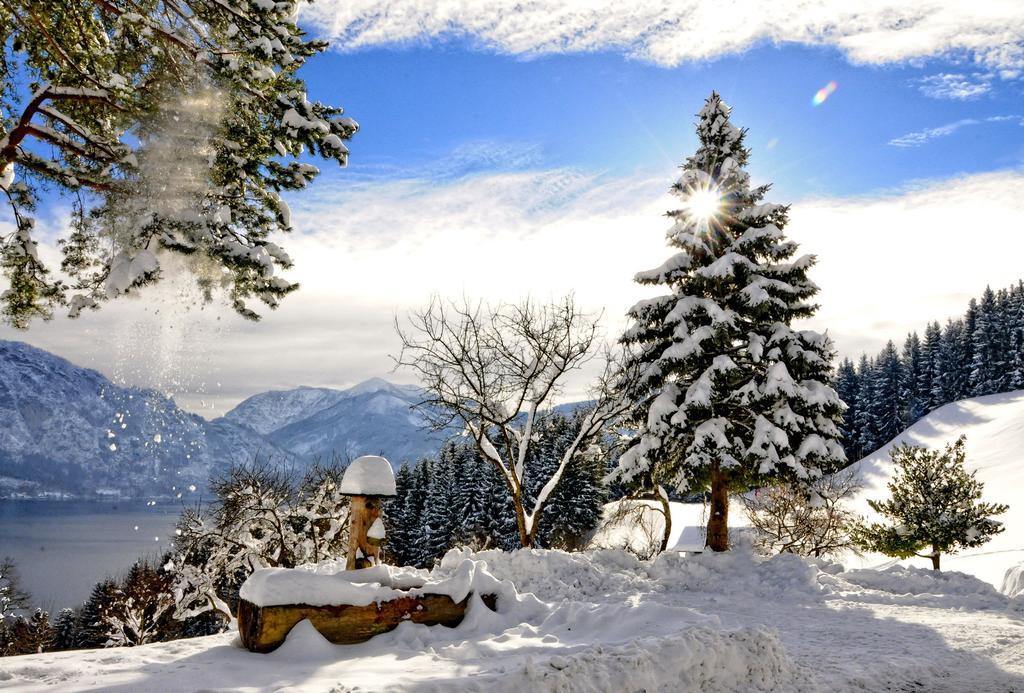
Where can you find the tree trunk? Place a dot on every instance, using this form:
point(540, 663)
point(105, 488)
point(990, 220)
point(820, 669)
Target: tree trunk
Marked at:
point(525, 538)
point(935, 557)
point(718, 522)
point(667, 510)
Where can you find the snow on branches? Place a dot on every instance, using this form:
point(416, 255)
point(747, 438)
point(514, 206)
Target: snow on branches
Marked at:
point(176, 125)
point(261, 519)
point(728, 390)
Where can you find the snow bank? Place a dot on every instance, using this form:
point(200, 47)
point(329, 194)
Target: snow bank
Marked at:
point(369, 475)
point(908, 585)
point(701, 659)
point(1013, 581)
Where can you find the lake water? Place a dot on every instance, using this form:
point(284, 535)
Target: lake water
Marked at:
point(63, 548)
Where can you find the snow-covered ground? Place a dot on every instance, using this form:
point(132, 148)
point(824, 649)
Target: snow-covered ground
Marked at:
point(604, 621)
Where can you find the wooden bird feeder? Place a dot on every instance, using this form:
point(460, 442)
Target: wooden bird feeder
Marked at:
point(367, 481)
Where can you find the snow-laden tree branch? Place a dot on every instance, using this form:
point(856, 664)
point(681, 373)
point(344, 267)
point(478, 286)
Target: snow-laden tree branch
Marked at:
point(177, 123)
point(262, 518)
point(493, 370)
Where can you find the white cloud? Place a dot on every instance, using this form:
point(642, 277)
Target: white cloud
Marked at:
point(920, 137)
point(887, 264)
point(669, 33)
point(956, 86)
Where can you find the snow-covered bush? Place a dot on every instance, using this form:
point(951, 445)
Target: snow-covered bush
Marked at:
point(262, 518)
point(813, 521)
point(139, 609)
point(934, 503)
point(12, 597)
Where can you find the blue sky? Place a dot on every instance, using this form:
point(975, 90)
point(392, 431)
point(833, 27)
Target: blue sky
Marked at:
point(606, 112)
point(511, 149)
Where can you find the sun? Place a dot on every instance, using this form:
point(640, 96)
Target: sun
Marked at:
point(704, 203)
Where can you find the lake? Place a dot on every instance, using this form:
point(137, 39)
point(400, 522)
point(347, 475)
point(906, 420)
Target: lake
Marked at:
point(63, 548)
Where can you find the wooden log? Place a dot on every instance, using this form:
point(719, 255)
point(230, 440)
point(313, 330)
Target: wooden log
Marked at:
point(264, 628)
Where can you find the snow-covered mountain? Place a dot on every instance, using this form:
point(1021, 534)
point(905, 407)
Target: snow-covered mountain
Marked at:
point(994, 426)
point(68, 429)
point(373, 417)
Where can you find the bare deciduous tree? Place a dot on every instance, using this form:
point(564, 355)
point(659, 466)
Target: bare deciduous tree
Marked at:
point(788, 520)
point(492, 369)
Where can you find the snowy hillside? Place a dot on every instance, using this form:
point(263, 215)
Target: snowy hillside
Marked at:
point(994, 426)
point(70, 430)
point(374, 417)
point(603, 621)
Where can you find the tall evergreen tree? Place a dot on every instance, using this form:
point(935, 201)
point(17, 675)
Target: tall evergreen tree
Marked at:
point(848, 388)
point(911, 366)
point(930, 383)
point(965, 353)
point(865, 422)
point(65, 630)
point(887, 412)
point(396, 522)
point(730, 394)
point(439, 518)
point(987, 365)
point(92, 628)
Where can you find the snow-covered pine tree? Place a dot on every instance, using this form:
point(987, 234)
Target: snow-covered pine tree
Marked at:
point(953, 366)
point(930, 380)
point(964, 370)
point(414, 510)
point(848, 389)
point(65, 630)
point(439, 519)
point(887, 412)
point(173, 126)
point(92, 631)
point(730, 395)
point(469, 498)
point(395, 518)
point(912, 363)
point(934, 503)
point(865, 422)
point(987, 365)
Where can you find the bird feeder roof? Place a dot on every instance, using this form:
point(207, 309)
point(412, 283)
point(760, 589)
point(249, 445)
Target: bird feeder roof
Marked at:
point(369, 475)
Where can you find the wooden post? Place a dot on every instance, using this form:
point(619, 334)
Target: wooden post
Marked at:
point(362, 552)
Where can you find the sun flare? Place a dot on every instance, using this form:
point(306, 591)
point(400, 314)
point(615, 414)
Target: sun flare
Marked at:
point(704, 203)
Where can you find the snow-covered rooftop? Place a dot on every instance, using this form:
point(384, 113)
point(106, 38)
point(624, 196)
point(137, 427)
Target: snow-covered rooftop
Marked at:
point(369, 475)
